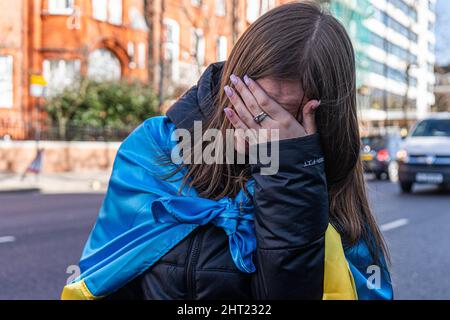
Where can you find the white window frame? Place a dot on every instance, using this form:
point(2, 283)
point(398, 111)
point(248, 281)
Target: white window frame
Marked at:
point(142, 55)
point(57, 85)
point(115, 11)
point(220, 8)
point(253, 10)
point(198, 45)
point(222, 48)
point(6, 81)
point(54, 7)
point(196, 3)
point(100, 10)
point(266, 5)
point(172, 45)
point(108, 11)
point(256, 8)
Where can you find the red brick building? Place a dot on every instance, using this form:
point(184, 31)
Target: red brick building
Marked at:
point(63, 40)
point(195, 34)
point(110, 39)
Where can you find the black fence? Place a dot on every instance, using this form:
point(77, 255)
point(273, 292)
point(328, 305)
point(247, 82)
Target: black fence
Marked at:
point(67, 133)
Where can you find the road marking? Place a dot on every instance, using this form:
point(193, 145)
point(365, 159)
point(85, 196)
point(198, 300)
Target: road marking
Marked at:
point(394, 224)
point(7, 239)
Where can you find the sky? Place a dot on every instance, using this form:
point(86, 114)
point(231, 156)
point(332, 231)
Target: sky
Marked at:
point(443, 32)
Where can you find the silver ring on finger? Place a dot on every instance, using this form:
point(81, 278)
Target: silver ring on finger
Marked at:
point(260, 117)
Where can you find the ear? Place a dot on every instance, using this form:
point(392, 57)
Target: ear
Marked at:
point(308, 116)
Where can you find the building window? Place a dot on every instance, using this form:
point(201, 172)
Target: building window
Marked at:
point(100, 9)
point(391, 73)
point(253, 9)
point(222, 48)
point(131, 55)
point(142, 55)
point(108, 10)
point(60, 74)
point(221, 8)
point(406, 8)
point(103, 65)
point(431, 47)
point(431, 6)
point(393, 24)
point(115, 11)
point(196, 3)
point(60, 6)
point(392, 48)
point(6, 82)
point(137, 19)
point(256, 8)
point(198, 46)
point(267, 5)
point(172, 48)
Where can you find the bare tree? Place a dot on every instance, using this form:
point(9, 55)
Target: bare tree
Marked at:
point(409, 65)
point(234, 20)
point(203, 23)
point(148, 15)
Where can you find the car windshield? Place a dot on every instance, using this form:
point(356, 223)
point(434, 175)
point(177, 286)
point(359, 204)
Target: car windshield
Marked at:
point(375, 142)
point(433, 128)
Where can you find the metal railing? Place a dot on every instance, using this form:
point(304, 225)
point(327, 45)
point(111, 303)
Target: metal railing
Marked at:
point(67, 133)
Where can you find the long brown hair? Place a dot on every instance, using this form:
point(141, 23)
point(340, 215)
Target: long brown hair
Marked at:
point(299, 41)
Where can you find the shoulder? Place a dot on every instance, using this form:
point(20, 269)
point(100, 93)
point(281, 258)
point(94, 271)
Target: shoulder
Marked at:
point(146, 152)
point(153, 132)
point(156, 128)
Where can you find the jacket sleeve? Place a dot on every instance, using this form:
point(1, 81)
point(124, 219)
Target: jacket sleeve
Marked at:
point(291, 218)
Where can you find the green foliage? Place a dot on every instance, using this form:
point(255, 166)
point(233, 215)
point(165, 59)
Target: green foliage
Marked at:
point(112, 105)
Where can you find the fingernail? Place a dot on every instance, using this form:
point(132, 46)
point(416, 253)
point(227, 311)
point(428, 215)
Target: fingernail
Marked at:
point(228, 112)
point(234, 79)
point(228, 91)
point(317, 105)
point(247, 80)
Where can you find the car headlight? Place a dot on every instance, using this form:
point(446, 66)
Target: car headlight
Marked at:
point(402, 156)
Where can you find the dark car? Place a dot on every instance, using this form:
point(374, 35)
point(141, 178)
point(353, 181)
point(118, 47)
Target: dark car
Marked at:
point(378, 154)
point(425, 155)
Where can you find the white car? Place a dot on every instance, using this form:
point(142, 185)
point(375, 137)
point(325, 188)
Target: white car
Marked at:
point(425, 153)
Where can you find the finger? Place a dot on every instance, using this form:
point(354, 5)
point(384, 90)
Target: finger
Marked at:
point(266, 103)
point(308, 120)
point(234, 119)
point(246, 95)
point(240, 143)
point(240, 128)
point(241, 110)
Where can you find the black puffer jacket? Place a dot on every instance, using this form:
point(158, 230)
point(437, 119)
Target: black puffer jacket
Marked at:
point(291, 218)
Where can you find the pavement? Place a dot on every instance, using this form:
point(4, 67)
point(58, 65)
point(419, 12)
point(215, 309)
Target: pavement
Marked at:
point(80, 182)
point(43, 234)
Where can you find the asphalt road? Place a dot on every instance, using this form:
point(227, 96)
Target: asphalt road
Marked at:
point(41, 235)
point(418, 239)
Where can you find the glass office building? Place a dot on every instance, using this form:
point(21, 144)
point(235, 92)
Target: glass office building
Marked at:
point(394, 41)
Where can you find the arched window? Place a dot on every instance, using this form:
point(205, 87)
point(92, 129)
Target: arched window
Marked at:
point(104, 65)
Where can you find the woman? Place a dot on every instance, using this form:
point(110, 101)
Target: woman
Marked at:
point(224, 230)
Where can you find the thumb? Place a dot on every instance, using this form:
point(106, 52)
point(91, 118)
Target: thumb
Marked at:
point(309, 116)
